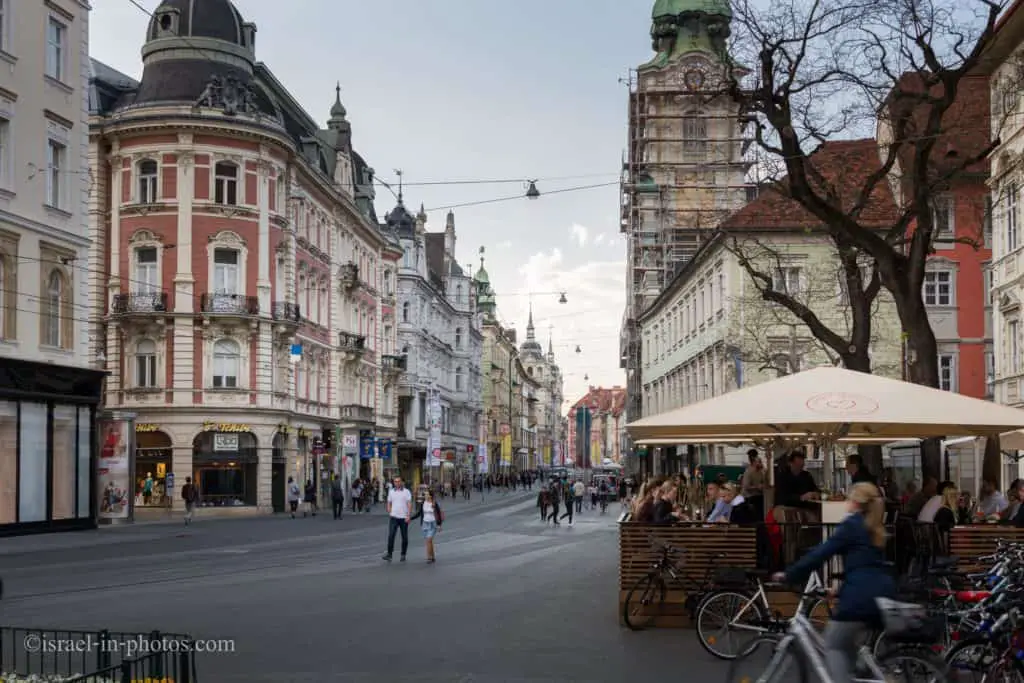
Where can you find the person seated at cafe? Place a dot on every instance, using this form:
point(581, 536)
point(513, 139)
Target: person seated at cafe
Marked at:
point(992, 501)
point(739, 510)
point(719, 506)
point(935, 503)
point(795, 487)
point(857, 471)
point(666, 509)
point(1013, 497)
point(917, 501)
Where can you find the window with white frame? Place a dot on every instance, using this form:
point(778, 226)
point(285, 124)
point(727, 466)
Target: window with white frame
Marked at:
point(225, 271)
point(4, 24)
point(227, 360)
point(938, 288)
point(53, 303)
point(1013, 345)
point(786, 280)
point(943, 217)
point(225, 183)
point(1012, 236)
point(458, 337)
point(55, 166)
point(56, 49)
point(6, 149)
point(947, 372)
point(458, 378)
point(145, 364)
point(986, 283)
point(990, 372)
point(146, 278)
point(146, 185)
point(721, 291)
point(405, 312)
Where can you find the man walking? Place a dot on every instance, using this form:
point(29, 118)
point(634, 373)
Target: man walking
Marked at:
point(337, 496)
point(190, 495)
point(399, 512)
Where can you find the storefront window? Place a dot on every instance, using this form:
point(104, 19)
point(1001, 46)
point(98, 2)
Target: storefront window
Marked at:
point(32, 470)
point(153, 459)
point(65, 444)
point(226, 468)
point(84, 460)
point(8, 462)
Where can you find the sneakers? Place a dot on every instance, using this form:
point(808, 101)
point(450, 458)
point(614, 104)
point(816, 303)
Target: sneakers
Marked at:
point(386, 558)
point(402, 558)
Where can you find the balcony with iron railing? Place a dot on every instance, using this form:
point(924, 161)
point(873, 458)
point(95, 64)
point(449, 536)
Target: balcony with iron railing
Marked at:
point(354, 344)
point(357, 413)
point(393, 364)
point(139, 303)
point(216, 303)
point(286, 311)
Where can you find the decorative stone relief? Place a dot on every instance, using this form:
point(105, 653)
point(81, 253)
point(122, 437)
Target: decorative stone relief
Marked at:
point(229, 94)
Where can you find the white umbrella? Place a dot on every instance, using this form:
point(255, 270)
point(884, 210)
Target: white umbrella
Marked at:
point(831, 403)
point(1012, 441)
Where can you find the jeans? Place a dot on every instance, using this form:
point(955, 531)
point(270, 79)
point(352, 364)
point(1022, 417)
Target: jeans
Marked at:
point(568, 510)
point(394, 524)
point(339, 506)
point(841, 639)
point(579, 504)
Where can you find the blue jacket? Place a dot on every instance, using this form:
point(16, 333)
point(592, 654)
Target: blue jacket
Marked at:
point(867, 577)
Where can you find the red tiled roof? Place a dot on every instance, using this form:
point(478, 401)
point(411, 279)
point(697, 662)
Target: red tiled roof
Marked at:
point(844, 166)
point(966, 126)
point(611, 400)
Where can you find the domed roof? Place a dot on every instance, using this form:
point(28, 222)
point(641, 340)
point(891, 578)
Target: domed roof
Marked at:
point(401, 221)
point(217, 19)
point(673, 8)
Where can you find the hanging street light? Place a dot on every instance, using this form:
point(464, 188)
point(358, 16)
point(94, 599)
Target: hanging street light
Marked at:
point(578, 349)
point(532, 192)
point(562, 299)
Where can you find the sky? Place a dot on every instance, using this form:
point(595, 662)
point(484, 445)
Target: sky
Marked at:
point(457, 90)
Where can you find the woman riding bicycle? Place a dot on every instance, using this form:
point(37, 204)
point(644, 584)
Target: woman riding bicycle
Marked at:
point(860, 540)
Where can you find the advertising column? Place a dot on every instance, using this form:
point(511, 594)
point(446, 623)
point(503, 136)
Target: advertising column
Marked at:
point(115, 477)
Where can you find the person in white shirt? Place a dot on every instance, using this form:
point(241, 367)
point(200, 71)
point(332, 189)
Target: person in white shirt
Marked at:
point(992, 501)
point(399, 513)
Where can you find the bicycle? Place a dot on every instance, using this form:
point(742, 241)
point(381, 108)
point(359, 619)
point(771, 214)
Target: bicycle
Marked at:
point(743, 612)
point(908, 629)
point(651, 589)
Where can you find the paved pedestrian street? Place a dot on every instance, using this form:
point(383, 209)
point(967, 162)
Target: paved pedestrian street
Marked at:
point(509, 599)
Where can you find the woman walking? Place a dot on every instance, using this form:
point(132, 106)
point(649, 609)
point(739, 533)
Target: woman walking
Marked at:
point(431, 518)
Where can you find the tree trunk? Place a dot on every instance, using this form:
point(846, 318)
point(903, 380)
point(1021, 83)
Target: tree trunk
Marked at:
point(992, 462)
point(923, 368)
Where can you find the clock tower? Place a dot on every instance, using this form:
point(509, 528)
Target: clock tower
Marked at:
point(684, 171)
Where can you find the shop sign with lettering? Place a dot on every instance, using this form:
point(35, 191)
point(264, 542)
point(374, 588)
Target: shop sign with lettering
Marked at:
point(143, 427)
point(226, 427)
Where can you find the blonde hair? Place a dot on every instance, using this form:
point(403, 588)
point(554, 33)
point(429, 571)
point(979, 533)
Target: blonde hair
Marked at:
point(951, 498)
point(728, 486)
point(867, 497)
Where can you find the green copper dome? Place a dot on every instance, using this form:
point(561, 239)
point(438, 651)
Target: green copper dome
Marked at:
point(673, 8)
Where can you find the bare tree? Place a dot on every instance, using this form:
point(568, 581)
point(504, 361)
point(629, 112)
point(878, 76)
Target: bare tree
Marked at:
point(808, 71)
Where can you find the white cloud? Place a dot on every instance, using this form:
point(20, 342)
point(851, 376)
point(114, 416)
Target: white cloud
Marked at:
point(591, 318)
point(579, 233)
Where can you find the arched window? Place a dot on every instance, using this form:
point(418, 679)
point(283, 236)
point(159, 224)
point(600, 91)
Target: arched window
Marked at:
point(53, 302)
point(405, 312)
point(458, 337)
point(695, 132)
point(458, 294)
point(387, 283)
point(147, 174)
point(145, 363)
point(226, 364)
point(325, 303)
point(225, 183)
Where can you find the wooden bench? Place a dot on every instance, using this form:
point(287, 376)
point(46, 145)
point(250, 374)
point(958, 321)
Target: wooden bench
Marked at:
point(703, 543)
point(977, 540)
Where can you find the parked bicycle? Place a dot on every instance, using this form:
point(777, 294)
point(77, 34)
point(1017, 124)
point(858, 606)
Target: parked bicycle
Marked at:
point(648, 594)
point(738, 612)
point(800, 651)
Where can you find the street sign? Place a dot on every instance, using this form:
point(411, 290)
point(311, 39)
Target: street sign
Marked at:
point(350, 440)
point(169, 483)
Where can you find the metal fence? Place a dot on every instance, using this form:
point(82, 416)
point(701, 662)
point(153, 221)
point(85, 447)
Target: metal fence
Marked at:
point(98, 656)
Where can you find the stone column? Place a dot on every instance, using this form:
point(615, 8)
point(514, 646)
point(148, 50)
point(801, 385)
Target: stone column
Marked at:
point(265, 477)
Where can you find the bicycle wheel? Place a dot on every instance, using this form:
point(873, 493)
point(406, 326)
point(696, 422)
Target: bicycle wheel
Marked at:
point(717, 617)
point(973, 660)
point(638, 610)
point(763, 663)
point(820, 614)
point(911, 662)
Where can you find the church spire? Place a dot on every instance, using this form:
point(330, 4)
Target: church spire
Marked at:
point(529, 327)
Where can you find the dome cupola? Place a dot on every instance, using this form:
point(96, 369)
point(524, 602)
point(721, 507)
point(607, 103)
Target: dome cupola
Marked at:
point(210, 30)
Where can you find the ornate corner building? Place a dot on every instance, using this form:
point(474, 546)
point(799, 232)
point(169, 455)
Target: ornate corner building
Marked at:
point(440, 340)
point(248, 293)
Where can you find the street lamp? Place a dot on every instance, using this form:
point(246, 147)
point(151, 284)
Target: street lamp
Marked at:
point(532, 192)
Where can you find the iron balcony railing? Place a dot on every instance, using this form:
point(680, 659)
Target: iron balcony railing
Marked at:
point(351, 342)
point(139, 302)
point(393, 363)
point(286, 311)
point(229, 304)
point(357, 412)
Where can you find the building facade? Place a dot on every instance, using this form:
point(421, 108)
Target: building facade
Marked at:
point(711, 332)
point(240, 267)
point(440, 336)
point(50, 390)
point(597, 427)
point(684, 170)
point(522, 392)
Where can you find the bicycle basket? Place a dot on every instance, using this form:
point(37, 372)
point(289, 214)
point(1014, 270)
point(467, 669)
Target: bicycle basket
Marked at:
point(729, 576)
point(909, 623)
